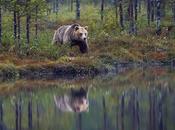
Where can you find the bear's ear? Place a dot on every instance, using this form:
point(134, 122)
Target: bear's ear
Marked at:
point(76, 28)
point(86, 27)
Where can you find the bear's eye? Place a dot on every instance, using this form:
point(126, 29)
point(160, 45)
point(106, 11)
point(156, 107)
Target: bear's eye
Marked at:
point(81, 34)
point(85, 34)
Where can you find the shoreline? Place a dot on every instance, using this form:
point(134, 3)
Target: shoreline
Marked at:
point(58, 70)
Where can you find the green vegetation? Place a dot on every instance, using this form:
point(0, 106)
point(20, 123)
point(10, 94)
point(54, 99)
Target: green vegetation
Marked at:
point(109, 43)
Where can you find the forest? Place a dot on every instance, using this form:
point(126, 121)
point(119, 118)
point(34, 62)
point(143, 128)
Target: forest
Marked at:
point(128, 71)
point(139, 31)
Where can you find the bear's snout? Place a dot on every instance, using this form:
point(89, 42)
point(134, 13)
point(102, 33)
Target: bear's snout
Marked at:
point(85, 39)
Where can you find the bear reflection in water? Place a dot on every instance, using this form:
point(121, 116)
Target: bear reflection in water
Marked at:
point(75, 101)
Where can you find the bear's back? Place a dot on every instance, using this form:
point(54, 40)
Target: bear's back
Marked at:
point(63, 32)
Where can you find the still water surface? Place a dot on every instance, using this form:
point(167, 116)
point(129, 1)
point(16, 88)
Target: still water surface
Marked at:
point(134, 99)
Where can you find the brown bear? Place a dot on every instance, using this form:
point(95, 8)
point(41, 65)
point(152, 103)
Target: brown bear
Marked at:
point(73, 34)
point(75, 101)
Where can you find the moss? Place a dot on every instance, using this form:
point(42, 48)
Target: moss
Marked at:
point(8, 71)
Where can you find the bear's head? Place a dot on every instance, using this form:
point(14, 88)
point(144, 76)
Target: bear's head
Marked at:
point(80, 35)
point(79, 100)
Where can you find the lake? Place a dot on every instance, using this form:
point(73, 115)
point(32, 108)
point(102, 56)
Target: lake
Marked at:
point(132, 99)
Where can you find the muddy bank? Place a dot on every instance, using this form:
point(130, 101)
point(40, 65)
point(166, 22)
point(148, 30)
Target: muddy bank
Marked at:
point(52, 71)
point(10, 72)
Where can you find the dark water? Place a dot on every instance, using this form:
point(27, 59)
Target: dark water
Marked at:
point(136, 99)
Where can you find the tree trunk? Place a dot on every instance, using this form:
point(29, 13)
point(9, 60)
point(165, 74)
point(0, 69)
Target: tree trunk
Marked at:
point(136, 9)
point(53, 6)
point(163, 8)
point(132, 29)
point(77, 9)
point(121, 14)
point(28, 24)
point(71, 5)
point(95, 2)
point(36, 21)
point(14, 25)
point(57, 6)
point(148, 11)
point(152, 10)
point(173, 9)
point(19, 29)
point(158, 17)
point(140, 5)
point(28, 29)
point(102, 9)
point(116, 11)
point(0, 26)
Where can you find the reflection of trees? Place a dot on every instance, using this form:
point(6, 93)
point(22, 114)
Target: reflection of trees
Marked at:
point(104, 113)
point(30, 113)
point(121, 109)
point(1, 110)
point(137, 109)
point(158, 109)
point(117, 118)
point(79, 121)
point(37, 114)
point(152, 113)
point(18, 113)
point(1, 114)
point(134, 109)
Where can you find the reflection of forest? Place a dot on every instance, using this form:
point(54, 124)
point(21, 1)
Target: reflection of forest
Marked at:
point(132, 100)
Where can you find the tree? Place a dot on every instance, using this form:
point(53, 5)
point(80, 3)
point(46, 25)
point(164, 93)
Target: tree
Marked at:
point(148, 11)
point(19, 28)
point(116, 11)
point(1, 110)
point(122, 109)
point(0, 25)
point(158, 17)
point(28, 16)
point(14, 24)
point(30, 117)
point(132, 29)
point(104, 113)
point(71, 5)
point(173, 10)
point(152, 10)
point(36, 21)
point(102, 9)
point(121, 14)
point(136, 9)
point(77, 9)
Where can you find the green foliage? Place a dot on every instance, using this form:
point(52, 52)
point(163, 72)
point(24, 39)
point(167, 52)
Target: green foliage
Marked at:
point(101, 33)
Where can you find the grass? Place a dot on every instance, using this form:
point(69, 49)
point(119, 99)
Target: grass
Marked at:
point(108, 44)
point(8, 71)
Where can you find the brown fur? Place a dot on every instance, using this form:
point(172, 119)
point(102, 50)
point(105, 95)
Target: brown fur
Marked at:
point(74, 34)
